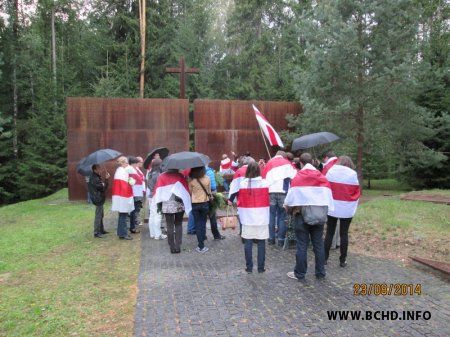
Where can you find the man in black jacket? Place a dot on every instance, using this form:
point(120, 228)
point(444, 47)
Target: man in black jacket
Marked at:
point(97, 188)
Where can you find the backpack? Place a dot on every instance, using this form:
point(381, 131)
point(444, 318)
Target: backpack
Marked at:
point(315, 215)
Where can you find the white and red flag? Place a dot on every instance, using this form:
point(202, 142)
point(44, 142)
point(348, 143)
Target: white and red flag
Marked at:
point(138, 176)
point(276, 171)
point(169, 183)
point(268, 130)
point(346, 191)
point(238, 176)
point(329, 164)
point(253, 202)
point(122, 192)
point(309, 187)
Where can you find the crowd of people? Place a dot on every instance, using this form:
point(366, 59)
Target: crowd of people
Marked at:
point(303, 192)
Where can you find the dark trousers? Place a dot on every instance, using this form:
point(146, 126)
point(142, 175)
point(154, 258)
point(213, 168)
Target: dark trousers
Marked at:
point(343, 231)
point(174, 229)
point(135, 214)
point(248, 250)
point(303, 232)
point(122, 230)
point(214, 228)
point(200, 212)
point(98, 220)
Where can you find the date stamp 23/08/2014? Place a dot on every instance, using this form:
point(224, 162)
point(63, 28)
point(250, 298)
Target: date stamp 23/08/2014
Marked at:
point(387, 289)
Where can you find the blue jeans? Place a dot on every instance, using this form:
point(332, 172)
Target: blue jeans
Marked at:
point(277, 216)
point(226, 185)
point(248, 249)
point(302, 233)
point(122, 228)
point(191, 223)
point(200, 212)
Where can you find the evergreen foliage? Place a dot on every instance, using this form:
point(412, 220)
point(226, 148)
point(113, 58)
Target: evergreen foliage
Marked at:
point(374, 72)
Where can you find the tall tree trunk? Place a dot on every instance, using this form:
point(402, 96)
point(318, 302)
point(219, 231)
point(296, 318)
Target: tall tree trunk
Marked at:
point(15, 17)
point(53, 47)
point(142, 21)
point(360, 109)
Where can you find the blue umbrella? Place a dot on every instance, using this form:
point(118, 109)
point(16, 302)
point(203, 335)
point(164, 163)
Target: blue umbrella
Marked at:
point(84, 167)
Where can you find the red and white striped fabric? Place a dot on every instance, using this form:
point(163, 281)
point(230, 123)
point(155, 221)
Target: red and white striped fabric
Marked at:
point(225, 164)
point(310, 187)
point(275, 171)
point(269, 131)
point(169, 183)
point(138, 176)
point(346, 191)
point(122, 193)
point(239, 175)
point(329, 164)
point(253, 202)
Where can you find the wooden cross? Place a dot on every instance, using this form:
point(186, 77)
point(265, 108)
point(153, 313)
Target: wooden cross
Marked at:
point(182, 71)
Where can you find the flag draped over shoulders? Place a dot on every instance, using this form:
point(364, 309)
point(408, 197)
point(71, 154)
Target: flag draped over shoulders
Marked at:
point(172, 183)
point(345, 189)
point(122, 192)
point(328, 165)
point(309, 187)
point(238, 176)
point(268, 130)
point(253, 202)
point(276, 171)
point(138, 176)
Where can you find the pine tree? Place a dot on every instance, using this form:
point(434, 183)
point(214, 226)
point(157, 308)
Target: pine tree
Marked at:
point(361, 77)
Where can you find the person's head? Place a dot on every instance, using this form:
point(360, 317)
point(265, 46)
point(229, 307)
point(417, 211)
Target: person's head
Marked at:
point(197, 172)
point(305, 158)
point(290, 156)
point(140, 162)
point(132, 161)
point(296, 162)
point(328, 154)
point(96, 168)
point(224, 156)
point(281, 153)
point(245, 160)
point(253, 170)
point(156, 164)
point(345, 161)
point(122, 161)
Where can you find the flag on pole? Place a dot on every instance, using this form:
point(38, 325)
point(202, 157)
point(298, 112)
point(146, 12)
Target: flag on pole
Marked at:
point(269, 131)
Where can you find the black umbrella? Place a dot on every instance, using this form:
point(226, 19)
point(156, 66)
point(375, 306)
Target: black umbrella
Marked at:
point(83, 170)
point(313, 139)
point(184, 160)
point(163, 152)
point(84, 167)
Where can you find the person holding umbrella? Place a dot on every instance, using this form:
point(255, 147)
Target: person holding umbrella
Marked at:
point(172, 192)
point(122, 197)
point(200, 187)
point(97, 188)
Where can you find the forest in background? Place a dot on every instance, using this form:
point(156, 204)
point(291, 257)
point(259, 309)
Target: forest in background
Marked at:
point(374, 72)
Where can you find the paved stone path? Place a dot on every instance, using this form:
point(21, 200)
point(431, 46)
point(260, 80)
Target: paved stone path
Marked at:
point(192, 294)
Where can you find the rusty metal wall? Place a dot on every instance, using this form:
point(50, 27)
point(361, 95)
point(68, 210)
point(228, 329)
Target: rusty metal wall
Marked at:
point(224, 126)
point(131, 126)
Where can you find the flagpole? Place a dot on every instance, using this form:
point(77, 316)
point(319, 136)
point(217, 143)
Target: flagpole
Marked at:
point(265, 143)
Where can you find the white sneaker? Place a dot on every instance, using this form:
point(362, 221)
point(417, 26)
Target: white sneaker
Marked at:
point(202, 251)
point(291, 274)
point(161, 237)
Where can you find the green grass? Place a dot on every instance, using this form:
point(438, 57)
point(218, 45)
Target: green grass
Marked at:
point(381, 187)
point(56, 279)
point(391, 213)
